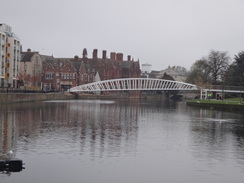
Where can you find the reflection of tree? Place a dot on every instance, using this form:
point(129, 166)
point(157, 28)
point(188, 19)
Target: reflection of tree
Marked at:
point(239, 143)
point(214, 131)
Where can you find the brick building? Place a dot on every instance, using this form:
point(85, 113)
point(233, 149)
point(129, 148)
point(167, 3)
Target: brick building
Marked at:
point(92, 69)
point(58, 75)
point(63, 73)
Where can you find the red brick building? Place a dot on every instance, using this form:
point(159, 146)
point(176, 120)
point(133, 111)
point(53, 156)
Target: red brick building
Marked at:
point(58, 75)
point(61, 73)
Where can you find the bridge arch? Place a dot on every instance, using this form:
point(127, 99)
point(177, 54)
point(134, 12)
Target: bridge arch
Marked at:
point(133, 84)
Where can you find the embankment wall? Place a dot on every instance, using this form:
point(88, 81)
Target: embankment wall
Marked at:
point(32, 97)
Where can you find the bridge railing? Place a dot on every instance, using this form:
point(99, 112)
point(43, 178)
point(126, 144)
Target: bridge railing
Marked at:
point(133, 84)
point(222, 87)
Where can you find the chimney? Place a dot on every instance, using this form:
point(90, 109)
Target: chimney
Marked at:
point(28, 50)
point(76, 57)
point(119, 56)
point(113, 56)
point(129, 58)
point(84, 53)
point(104, 54)
point(94, 54)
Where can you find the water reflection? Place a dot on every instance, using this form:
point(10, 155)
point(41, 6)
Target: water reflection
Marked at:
point(218, 132)
point(140, 140)
point(8, 132)
point(98, 123)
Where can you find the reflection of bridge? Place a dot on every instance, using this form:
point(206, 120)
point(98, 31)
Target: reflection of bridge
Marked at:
point(133, 84)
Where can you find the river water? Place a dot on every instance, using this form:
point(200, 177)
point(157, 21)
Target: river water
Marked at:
point(122, 141)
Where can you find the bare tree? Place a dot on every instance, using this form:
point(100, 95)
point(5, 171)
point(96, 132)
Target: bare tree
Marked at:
point(210, 69)
point(218, 64)
point(24, 78)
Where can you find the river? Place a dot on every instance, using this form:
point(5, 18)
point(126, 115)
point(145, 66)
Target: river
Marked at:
point(122, 141)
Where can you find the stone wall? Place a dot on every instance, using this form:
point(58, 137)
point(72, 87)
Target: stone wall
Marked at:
point(32, 97)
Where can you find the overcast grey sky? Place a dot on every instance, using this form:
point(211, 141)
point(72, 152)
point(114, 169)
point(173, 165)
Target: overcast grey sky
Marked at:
point(159, 32)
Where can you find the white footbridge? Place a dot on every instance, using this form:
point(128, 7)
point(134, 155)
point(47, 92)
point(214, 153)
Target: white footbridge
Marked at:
point(133, 84)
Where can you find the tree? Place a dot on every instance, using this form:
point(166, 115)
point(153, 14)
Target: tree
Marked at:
point(218, 64)
point(235, 73)
point(24, 78)
point(167, 77)
point(199, 73)
point(210, 69)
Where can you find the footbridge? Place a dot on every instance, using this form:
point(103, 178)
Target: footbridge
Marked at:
point(133, 84)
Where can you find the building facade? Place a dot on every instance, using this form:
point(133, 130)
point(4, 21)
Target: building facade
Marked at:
point(40, 72)
point(58, 75)
point(10, 49)
point(30, 73)
point(178, 73)
point(64, 73)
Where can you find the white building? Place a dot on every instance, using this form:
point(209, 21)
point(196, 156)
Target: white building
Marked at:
point(177, 72)
point(146, 70)
point(10, 49)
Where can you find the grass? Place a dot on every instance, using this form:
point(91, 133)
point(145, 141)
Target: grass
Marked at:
point(235, 99)
point(230, 101)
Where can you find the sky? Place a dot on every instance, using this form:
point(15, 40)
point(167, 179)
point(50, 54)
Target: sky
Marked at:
point(159, 32)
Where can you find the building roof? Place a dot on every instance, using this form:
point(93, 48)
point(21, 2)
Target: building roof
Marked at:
point(47, 58)
point(26, 56)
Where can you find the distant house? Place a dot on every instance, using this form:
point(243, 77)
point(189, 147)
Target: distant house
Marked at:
point(177, 72)
point(30, 70)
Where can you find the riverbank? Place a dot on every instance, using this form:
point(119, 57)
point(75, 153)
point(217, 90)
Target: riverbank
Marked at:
point(32, 97)
point(35, 97)
point(233, 105)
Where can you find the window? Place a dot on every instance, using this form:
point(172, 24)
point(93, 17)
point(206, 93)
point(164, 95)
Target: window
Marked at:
point(49, 75)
